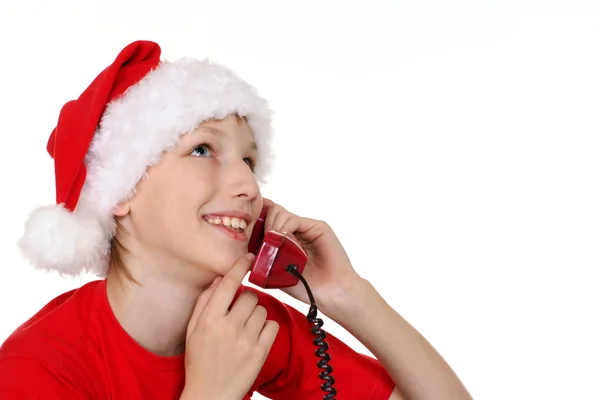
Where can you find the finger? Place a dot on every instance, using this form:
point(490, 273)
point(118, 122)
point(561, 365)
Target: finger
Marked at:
point(243, 307)
point(267, 202)
point(308, 230)
point(281, 219)
point(267, 335)
point(201, 303)
point(271, 215)
point(295, 239)
point(256, 321)
point(228, 288)
point(290, 225)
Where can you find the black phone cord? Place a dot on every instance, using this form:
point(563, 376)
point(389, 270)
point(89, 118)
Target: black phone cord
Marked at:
point(319, 341)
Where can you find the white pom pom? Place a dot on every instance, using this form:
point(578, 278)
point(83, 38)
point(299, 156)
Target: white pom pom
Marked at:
point(56, 239)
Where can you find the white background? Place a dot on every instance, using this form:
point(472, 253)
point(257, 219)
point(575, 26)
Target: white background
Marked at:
point(452, 145)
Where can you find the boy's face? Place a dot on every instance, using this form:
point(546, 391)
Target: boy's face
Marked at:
point(178, 215)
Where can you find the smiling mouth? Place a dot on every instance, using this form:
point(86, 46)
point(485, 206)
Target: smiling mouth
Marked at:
point(233, 224)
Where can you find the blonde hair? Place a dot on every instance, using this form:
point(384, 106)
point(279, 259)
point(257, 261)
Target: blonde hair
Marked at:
point(117, 255)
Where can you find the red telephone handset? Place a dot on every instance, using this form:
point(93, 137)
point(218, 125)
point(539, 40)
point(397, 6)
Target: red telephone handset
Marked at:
point(274, 252)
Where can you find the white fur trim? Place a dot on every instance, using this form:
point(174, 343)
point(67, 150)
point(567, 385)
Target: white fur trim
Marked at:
point(135, 129)
point(70, 243)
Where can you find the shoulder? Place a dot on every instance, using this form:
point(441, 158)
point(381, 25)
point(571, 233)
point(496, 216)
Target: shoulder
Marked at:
point(49, 336)
point(27, 378)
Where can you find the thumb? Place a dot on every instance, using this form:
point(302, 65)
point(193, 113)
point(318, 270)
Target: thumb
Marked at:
point(201, 303)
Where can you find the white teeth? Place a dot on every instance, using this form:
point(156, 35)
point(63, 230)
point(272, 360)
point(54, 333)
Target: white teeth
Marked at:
point(230, 222)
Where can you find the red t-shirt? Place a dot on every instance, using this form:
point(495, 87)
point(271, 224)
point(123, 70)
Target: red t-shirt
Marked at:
point(74, 348)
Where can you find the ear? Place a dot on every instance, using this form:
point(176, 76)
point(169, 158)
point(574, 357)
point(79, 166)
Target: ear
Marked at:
point(121, 209)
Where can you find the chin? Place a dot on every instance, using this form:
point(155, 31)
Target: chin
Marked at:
point(219, 253)
point(221, 263)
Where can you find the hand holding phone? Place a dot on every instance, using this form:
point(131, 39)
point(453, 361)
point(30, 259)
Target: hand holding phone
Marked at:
point(274, 251)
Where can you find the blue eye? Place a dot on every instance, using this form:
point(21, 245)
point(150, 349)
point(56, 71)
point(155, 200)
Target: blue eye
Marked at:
point(203, 150)
point(251, 163)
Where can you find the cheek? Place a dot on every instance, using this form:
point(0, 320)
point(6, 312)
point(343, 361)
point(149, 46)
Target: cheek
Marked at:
point(196, 186)
point(184, 195)
point(170, 199)
point(154, 206)
point(177, 201)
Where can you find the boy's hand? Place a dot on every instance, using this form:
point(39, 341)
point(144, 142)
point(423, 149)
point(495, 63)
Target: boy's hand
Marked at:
point(226, 348)
point(328, 271)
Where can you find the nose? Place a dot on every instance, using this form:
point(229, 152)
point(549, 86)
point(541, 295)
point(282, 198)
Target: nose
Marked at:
point(240, 180)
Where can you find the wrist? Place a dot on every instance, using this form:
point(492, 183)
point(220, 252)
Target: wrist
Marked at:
point(350, 301)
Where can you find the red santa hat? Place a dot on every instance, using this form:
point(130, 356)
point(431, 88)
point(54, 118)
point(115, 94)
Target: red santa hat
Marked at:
point(104, 141)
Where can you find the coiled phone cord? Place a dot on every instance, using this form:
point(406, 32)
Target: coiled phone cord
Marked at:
point(319, 341)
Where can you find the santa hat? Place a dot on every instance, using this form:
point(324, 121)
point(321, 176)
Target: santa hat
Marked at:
point(136, 109)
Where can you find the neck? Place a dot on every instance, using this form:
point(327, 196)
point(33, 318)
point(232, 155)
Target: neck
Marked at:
point(155, 312)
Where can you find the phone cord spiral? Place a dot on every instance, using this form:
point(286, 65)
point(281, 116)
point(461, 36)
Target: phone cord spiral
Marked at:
point(319, 341)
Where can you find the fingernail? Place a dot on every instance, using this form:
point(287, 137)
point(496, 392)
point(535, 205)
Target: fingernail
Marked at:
point(250, 256)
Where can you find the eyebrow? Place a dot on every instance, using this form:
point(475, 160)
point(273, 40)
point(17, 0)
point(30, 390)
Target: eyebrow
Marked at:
point(217, 131)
